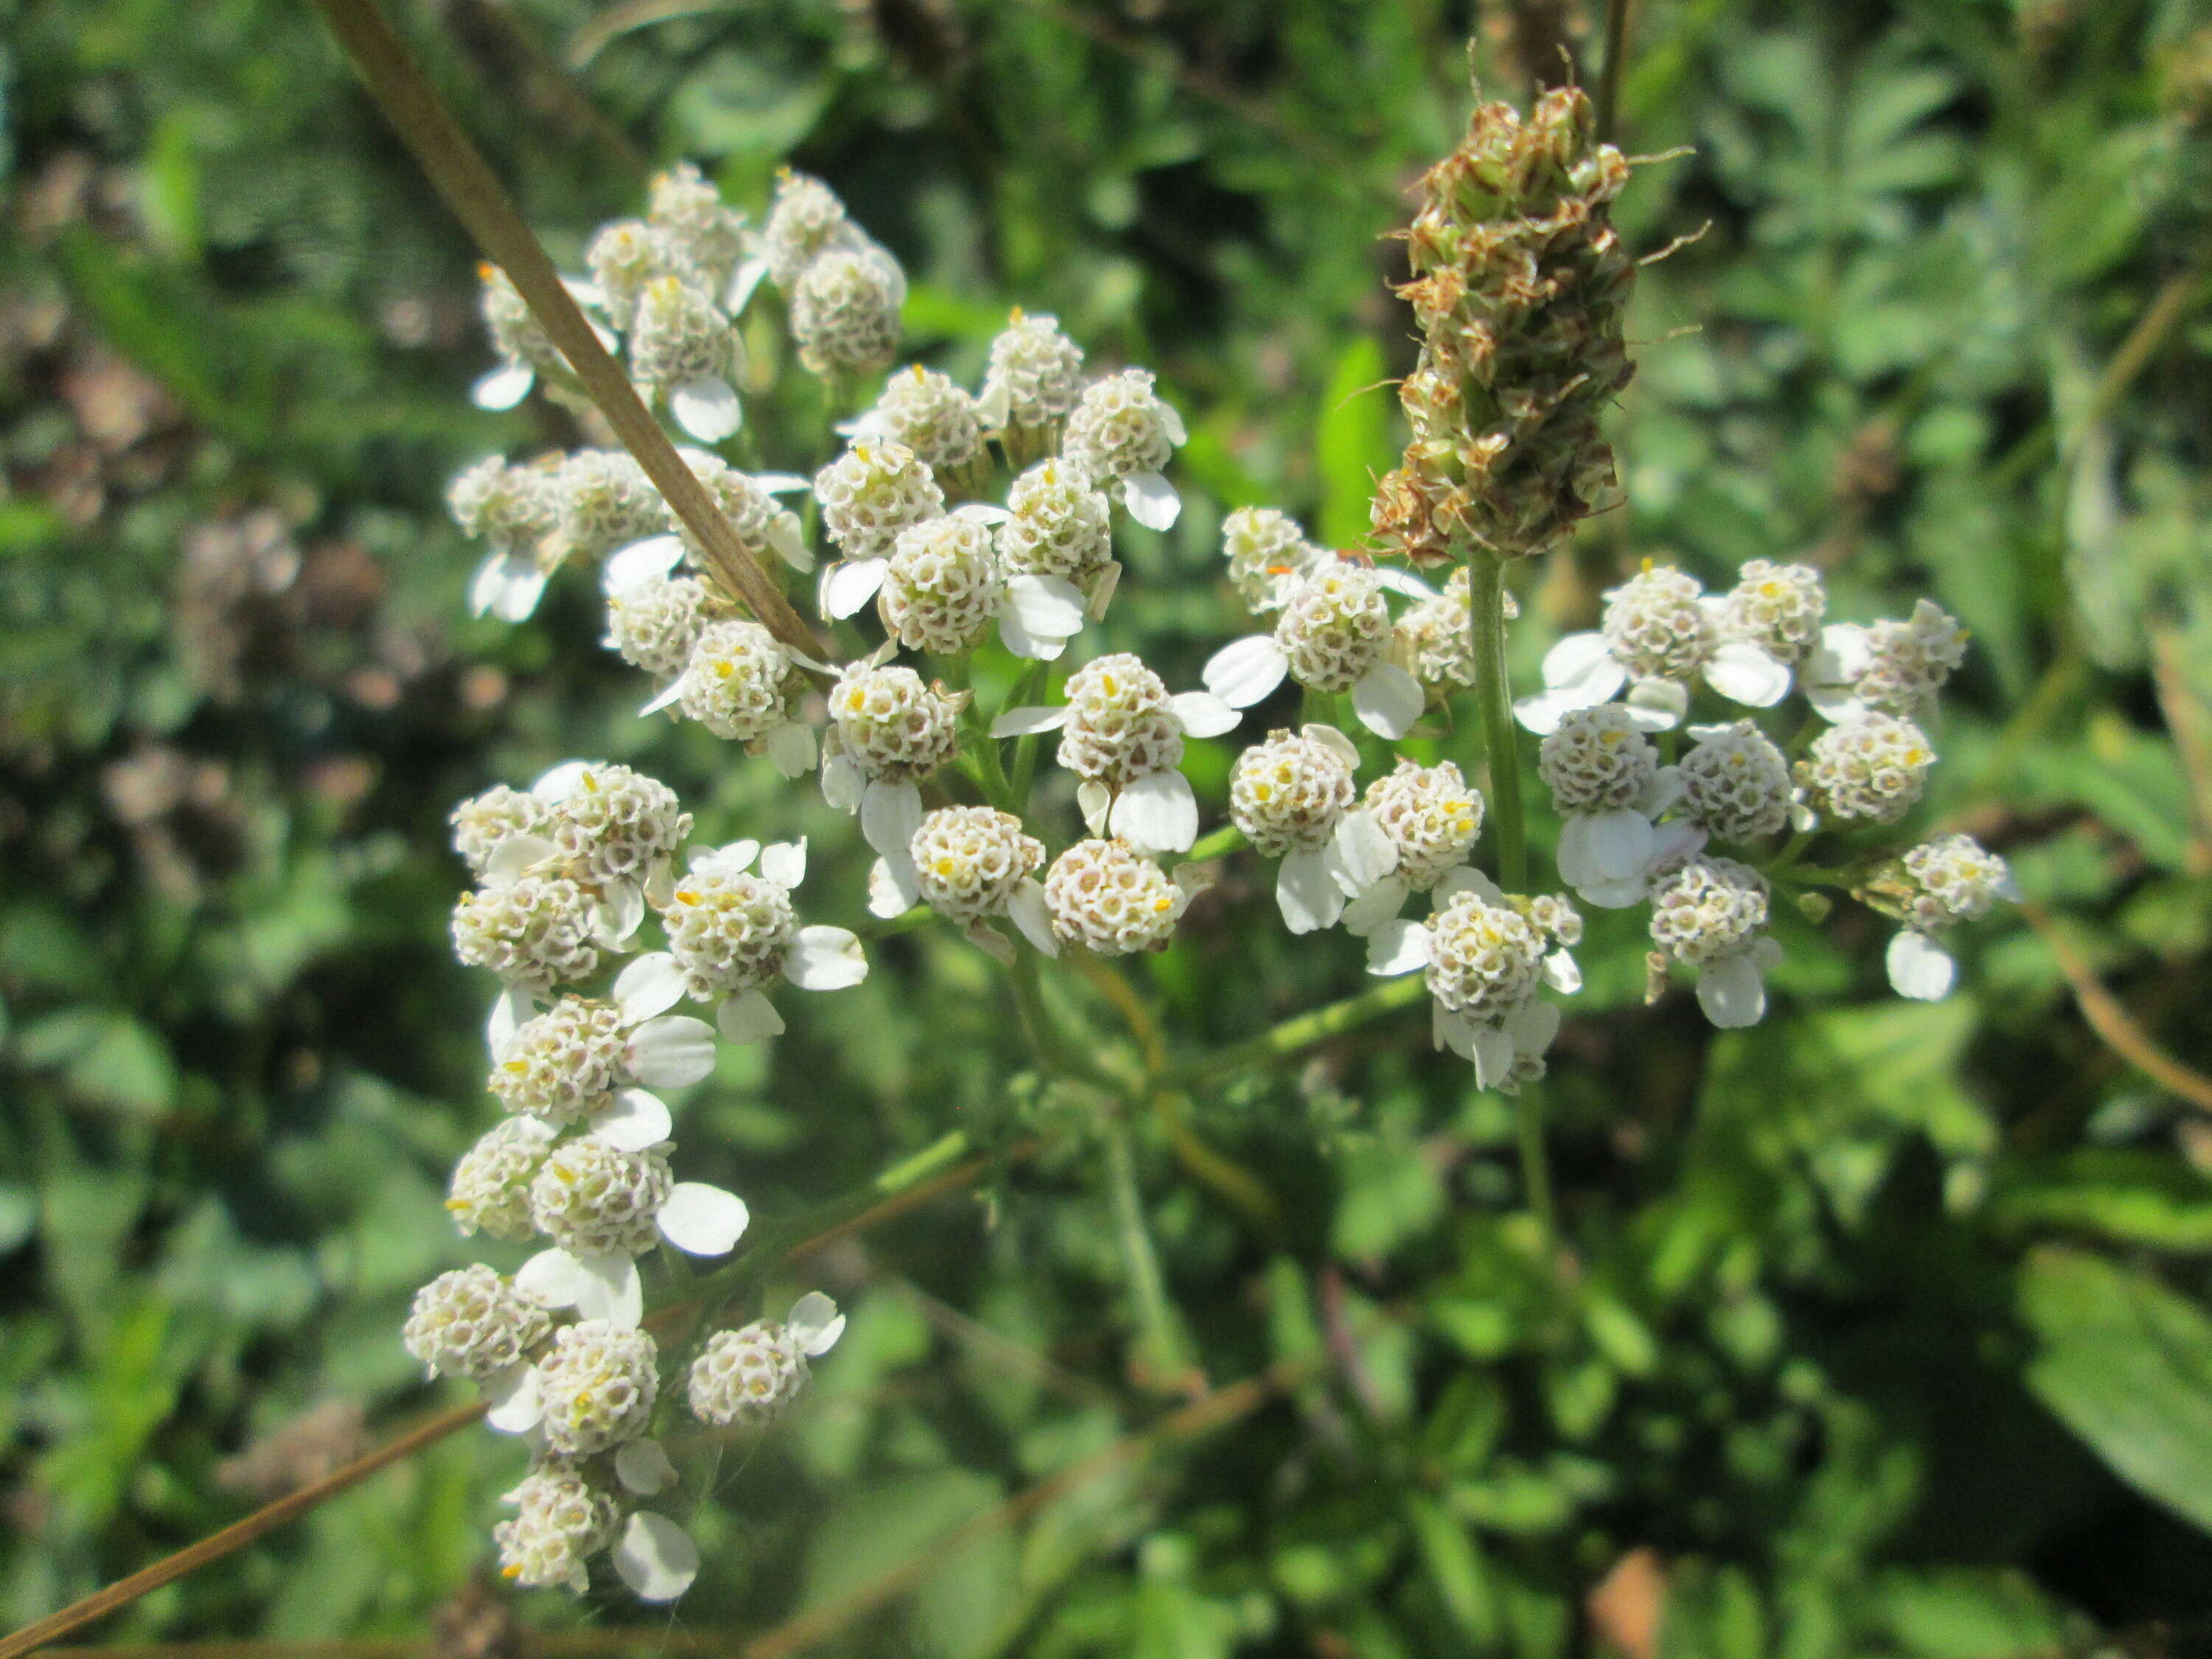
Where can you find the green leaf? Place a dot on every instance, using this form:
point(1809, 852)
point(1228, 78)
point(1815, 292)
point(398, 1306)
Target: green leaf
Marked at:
point(1352, 441)
point(2127, 1366)
point(2129, 1195)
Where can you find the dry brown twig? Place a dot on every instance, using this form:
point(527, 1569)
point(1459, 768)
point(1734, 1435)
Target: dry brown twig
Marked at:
point(2110, 1020)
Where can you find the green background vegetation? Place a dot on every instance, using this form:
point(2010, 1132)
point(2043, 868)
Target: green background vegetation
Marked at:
point(1881, 1328)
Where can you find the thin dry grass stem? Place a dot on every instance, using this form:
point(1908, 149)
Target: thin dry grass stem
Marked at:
point(2188, 721)
point(1617, 16)
point(1216, 1411)
point(470, 188)
point(237, 1535)
point(2111, 1021)
point(995, 1350)
point(656, 1640)
point(611, 25)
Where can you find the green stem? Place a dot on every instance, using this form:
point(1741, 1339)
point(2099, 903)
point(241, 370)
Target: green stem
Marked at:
point(1535, 1164)
point(1222, 842)
point(1161, 1346)
point(1486, 600)
point(1303, 1032)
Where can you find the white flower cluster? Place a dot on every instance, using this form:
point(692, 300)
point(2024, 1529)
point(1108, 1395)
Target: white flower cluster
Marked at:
point(1335, 635)
point(1931, 889)
point(1109, 898)
point(751, 1375)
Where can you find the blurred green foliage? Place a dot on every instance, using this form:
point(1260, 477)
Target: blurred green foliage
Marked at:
point(1883, 1327)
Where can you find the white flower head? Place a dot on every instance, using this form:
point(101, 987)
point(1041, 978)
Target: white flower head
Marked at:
point(1430, 816)
point(684, 351)
point(1035, 377)
point(596, 1388)
point(605, 503)
point(524, 349)
point(1109, 898)
point(761, 524)
point(1711, 913)
point(625, 256)
point(1934, 886)
point(1888, 668)
point(1874, 767)
point(845, 311)
point(1334, 635)
point(703, 232)
point(1776, 607)
point(1435, 641)
point(868, 495)
point(653, 620)
point(970, 864)
point(889, 731)
point(490, 1188)
point(928, 412)
point(482, 822)
point(612, 829)
point(1059, 524)
point(1659, 635)
point(513, 510)
point(804, 220)
point(1123, 434)
point(741, 683)
point(472, 1322)
point(1736, 783)
point(1293, 795)
point(751, 1375)
point(538, 932)
point(563, 1518)
point(1268, 553)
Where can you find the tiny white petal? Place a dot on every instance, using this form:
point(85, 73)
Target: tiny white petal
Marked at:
point(814, 1323)
point(1157, 813)
point(791, 748)
point(733, 858)
point(1024, 722)
point(990, 941)
point(982, 512)
point(1361, 851)
point(1533, 1025)
point(782, 483)
point(1019, 641)
point(1617, 844)
point(611, 1290)
point(1579, 658)
point(1203, 715)
point(747, 1017)
point(1742, 672)
point(635, 1119)
point(1466, 878)
point(552, 1279)
point(670, 695)
point(1387, 700)
point(1657, 705)
point(1033, 916)
point(1542, 712)
point(842, 783)
point(706, 408)
point(1562, 974)
point(1307, 891)
point(1662, 792)
point(1101, 590)
point(849, 584)
point(1329, 737)
point(503, 387)
point(555, 784)
point(1731, 991)
point(1093, 800)
point(651, 984)
point(1151, 500)
point(641, 561)
point(655, 1558)
point(1171, 424)
point(743, 281)
point(1494, 1053)
point(825, 959)
point(617, 914)
point(789, 539)
point(1919, 967)
point(702, 1220)
point(1047, 607)
point(515, 857)
point(1397, 947)
point(671, 1052)
point(1377, 905)
point(1402, 581)
point(784, 863)
point(1245, 670)
point(889, 814)
point(643, 1468)
point(508, 1010)
point(1448, 1030)
point(512, 1397)
point(1613, 895)
point(892, 890)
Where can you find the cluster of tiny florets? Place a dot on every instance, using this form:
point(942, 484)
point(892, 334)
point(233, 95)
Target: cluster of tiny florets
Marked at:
point(740, 682)
point(483, 822)
point(1431, 816)
point(931, 414)
point(1109, 898)
point(1060, 524)
point(515, 333)
point(1334, 625)
point(759, 523)
point(512, 508)
point(1484, 958)
point(1736, 783)
point(845, 313)
point(656, 623)
point(805, 219)
point(1266, 553)
point(1872, 768)
point(624, 258)
point(748, 1377)
point(892, 725)
point(472, 1322)
point(491, 1188)
point(1656, 624)
point(1436, 638)
point(702, 231)
point(1289, 793)
point(1035, 377)
point(606, 502)
point(1953, 879)
point(616, 824)
point(1909, 661)
point(592, 1199)
point(562, 1518)
point(1119, 428)
point(1554, 915)
point(969, 861)
point(1597, 760)
point(534, 933)
point(1705, 909)
point(943, 586)
point(679, 335)
point(872, 492)
point(1121, 725)
point(1776, 607)
point(561, 1064)
point(597, 1386)
point(728, 930)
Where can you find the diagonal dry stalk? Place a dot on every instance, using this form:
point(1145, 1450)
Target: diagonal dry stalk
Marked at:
point(901, 1188)
point(2110, 1020)
point(463, 177)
